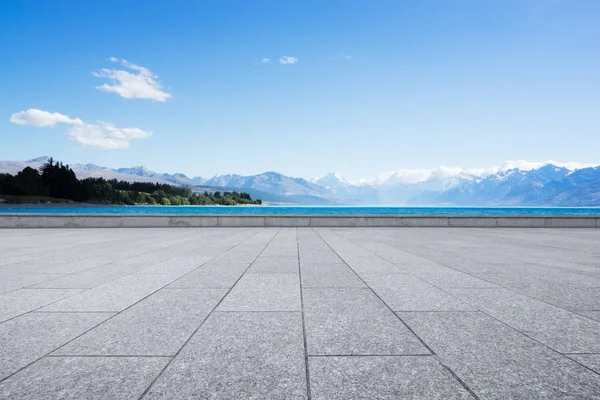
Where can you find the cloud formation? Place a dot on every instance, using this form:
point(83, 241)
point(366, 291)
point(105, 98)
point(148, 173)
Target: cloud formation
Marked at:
point(101, 135)
point(41, 118)
point(286, 60)
point(265, 60)
point(137, 83)
point(104, 135)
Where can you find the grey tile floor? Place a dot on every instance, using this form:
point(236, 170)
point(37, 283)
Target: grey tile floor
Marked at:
point(286, 313)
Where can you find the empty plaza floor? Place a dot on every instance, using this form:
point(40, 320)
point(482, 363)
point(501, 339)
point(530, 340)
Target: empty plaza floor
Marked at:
point(300, 313)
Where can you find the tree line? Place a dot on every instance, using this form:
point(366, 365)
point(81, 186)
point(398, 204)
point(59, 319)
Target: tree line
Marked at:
point(57, 181)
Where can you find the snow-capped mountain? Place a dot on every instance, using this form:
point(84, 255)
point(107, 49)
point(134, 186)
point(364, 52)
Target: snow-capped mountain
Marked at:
point(512, 184)
point(549, 185)
point(296, 189)
point(332, 180)
point(335, 183)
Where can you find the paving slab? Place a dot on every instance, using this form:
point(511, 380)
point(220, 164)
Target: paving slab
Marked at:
point(453, 279)
point(264, 292)
point(595, 315)
point(592, 361)
point(239, 356)
point(555, 293)
point(214, 274)
point(354, 322)
point(410, 293)
point(334, 275)
point(90, 378)
point(14, 281)
point(275, 265)
point(177, 266)
point(373, 265)
point(550, 325)
point(31, 336)
point(21, 301)
point(383, 378)
point(157, 326)
point(113, 296)
point(498, 362)
point(87, 279)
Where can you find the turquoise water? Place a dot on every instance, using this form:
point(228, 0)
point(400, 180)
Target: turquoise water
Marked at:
point(304, 210)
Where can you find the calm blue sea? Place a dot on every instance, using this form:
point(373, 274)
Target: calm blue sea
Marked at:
point(304, 210)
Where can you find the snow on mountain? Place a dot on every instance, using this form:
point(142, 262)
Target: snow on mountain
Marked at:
point(548, 185)
point(332, 180)
point(349, 193)
point(512, 183)
point(274, 182)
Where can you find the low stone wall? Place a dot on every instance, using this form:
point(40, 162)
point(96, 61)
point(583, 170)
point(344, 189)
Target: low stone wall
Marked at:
point(165, 221)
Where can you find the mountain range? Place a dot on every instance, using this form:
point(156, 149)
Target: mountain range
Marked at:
point(545, 184)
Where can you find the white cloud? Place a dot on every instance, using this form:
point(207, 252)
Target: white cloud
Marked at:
point(139, 84)
point(347, 57)
point(102, 135)
point(105, 135)
point(285, 60)
point(264, 60)
point(421, 175)
point(41, 118)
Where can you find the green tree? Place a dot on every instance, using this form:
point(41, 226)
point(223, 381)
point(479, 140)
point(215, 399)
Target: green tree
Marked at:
point(58, 180)
point(30, 181)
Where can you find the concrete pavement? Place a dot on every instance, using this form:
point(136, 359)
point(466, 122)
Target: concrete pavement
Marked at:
point(297, 313)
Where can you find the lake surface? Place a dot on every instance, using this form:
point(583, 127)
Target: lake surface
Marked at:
point(300, 210)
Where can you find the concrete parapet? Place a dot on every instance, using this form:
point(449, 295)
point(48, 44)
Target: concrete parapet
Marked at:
point(146, 221)
point(9, 221)
point(242, 220)
point(191, 221)
point(194, 220)
point(424, 221)
point(521, 222)
point(473, 222)
point(287, 221)
point(97, 221)
point(557, 222)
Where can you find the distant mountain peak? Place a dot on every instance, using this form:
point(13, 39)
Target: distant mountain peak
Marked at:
point(336, 175)
point(138, 170)
point(42, 159)
point(271, 173)
point(552, 167)
point(332, 178)
point(91, 167)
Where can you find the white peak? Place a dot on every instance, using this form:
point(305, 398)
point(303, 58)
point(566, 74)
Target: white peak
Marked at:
point(330, 178)
point(339, 177)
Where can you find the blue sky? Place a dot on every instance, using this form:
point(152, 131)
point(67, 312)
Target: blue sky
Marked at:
point(372, 86)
